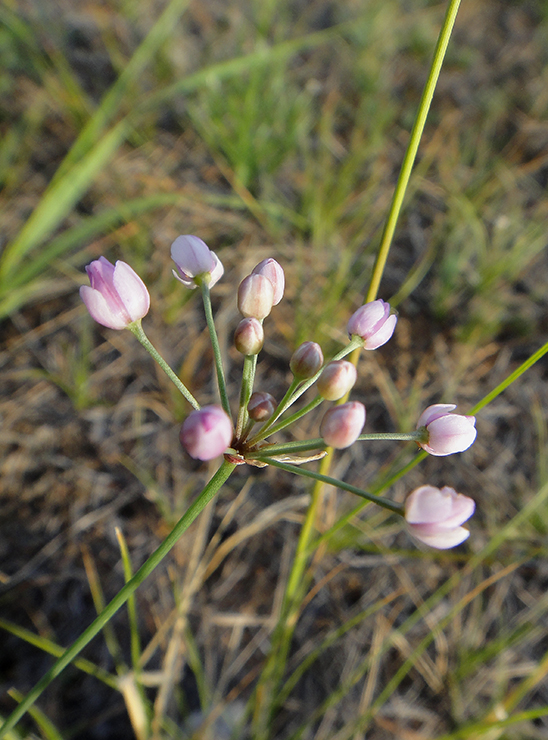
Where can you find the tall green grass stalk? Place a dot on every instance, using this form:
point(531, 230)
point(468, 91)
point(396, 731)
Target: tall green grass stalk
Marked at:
point(210, 490)
point(267, 690)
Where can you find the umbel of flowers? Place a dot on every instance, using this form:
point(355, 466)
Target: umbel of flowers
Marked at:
point(117, 298)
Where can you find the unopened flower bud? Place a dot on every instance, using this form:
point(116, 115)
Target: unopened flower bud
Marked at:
point(255, 296)
point(261, 406)
point(337, 378)
point(306, 360)
point(195, 261)
point(447, 432)
point(117, 296)
point(434, 516)
point(274, 272)
point(206, 433)
point(373, 323)
point(342, 425)
point(249, 337)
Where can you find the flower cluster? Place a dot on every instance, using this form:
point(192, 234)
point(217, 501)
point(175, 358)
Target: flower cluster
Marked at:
point(117, 298)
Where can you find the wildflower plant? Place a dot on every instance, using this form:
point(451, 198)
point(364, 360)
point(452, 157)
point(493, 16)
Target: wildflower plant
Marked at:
point(243, 431)
point(119, 299)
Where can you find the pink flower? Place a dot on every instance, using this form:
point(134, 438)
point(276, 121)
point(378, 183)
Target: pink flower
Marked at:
point(195, 262)
point(447, 432)
point(255, 296)
point(373, 323)
point(342, 425)
point(337, 378)
point(434, 516)
point(206, 433)
point(117, 296)
point(275, 273)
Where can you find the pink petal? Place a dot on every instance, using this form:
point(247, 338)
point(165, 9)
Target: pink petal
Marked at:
point(382, 336)
point(441, 540)
point(217, 272)
point(434, 412)
point(427, 504)
point(101, 311)
point(132, 291)
point(451, 433)
point(192, 255)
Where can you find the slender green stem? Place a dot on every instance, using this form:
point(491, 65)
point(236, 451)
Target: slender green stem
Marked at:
point(206, 296)
point(535, 357)
point(266, 693)
point(138, 331)
point(501, 387)
point(282, 406)
point(296, 416)
point(122, 596)
point(315, 444)
point(48, 646)
point(248, 378)
point(384, 502)
point(412, 148)
point(420, 435)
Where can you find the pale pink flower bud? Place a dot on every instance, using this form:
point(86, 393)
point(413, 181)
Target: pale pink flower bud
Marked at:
point(306, 360)
point(434, 516)
point(249, 337)
point(275, 273)
point(261, 406)
point(206, 433)
point(195, 261)
point(117, 296)
point(337, 378)
point(342, 425)
point(447, 432)
point(373, 323)
point(255, 296)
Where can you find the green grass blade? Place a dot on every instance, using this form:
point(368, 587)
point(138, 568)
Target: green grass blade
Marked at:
point(88, 158)
point(58, 200)
point(88, 229)
point(113, 100)
point(53, 649)
point(131, 604)
point(48, 729)
point(122, 596)
point(498, 540)
point(412, 148)
point(97, 595)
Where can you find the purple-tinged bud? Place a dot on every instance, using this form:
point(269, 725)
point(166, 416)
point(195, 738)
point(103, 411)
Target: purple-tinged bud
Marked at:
point(342, 425)
point(261, 406)
point(373, 323)
point(306, 360)
point(117, 296)
point(337, 378)
point(447, 432)
point(195, 262)
point(434, 516)
point(255, 296)
point(206, 433)
point(275, 273)
point(249, 337)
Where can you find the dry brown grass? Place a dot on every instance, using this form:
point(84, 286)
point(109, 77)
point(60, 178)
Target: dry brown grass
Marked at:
point(89, 432)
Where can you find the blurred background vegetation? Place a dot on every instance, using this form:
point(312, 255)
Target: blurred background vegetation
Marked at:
point(272, 129)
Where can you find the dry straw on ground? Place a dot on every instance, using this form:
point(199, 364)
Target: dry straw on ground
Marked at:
point(89, 426)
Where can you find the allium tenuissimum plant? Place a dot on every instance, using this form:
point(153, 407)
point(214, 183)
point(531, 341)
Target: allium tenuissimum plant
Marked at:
point(118, 299)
